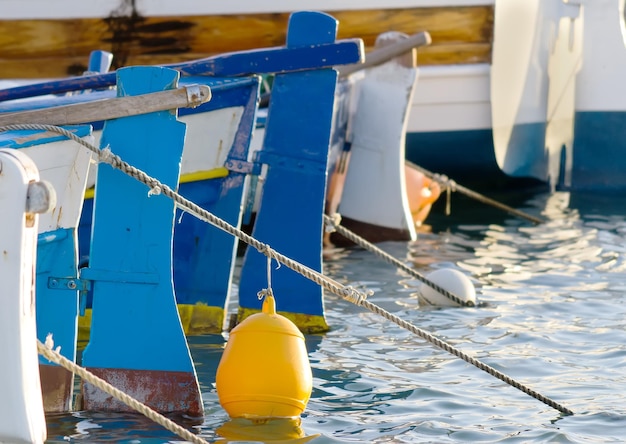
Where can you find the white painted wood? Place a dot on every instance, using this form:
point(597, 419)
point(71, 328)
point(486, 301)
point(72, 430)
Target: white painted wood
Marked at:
point(600, 83)
point(21, 407)
point(65, 9)
point(65, 165)
point(209, 138)
point(374, 191)
point(106, 109)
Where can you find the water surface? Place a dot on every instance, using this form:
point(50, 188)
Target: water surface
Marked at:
point(553, 318)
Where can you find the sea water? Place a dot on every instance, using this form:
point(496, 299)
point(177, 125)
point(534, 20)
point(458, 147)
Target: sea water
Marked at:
point(552, 317)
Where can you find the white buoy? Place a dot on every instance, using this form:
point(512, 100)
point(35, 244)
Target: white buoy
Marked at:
point(450, 280)
point(22, 195)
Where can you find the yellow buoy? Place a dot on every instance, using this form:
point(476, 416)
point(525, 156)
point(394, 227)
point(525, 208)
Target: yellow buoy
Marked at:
point(264, 371)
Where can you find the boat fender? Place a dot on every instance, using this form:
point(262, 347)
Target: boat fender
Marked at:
point(451, 280)
point(421, 192)
point(264, 371)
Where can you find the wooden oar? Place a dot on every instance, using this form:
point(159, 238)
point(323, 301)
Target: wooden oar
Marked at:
point(106, 109)
point(383, 54)
point(375, 57)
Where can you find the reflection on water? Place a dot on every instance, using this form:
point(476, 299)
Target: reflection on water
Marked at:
point(279, 430)
point(555, 321)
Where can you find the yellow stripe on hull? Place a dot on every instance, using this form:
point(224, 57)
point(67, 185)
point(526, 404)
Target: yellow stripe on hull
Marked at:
point(308, 324)
point(57, 48)
point(198, 319)
point(201, 319)
point(215, 173)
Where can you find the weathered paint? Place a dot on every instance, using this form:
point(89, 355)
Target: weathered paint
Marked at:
point(163, 391)
point(57, 386)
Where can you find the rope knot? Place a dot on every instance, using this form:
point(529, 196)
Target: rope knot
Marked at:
point(264, 293)
point(353, 295)
point(332, 222)
point(106, 155)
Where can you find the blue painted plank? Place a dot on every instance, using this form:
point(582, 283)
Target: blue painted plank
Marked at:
point(296, 151)
point(99, 62)
point(136, 335)
point(204, 255)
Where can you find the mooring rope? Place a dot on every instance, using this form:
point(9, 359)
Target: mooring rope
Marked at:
point(451, 185)
point(346, 292)
point(332, 224)
point(57, 358)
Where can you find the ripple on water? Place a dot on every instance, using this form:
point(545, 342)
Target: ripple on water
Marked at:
point(555, 321)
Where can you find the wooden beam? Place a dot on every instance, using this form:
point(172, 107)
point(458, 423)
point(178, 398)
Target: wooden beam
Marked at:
point(58, 48)
point(187, 96)
point(386, 53)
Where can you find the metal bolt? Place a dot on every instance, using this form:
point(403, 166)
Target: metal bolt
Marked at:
point(71, 285)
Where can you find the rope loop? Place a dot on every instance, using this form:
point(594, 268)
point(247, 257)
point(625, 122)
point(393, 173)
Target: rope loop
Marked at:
point(106, 155)
point(353, 295)
point(265, 293)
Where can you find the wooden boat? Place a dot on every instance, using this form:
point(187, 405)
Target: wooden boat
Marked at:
point(499, 89)
point(64, 164)
point(307, 54)
point(368, 184)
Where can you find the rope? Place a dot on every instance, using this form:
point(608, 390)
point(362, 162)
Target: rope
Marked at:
point(348, 293)
point(54, 356)
point(470, 360)
point(333, 223)
point(451, 185)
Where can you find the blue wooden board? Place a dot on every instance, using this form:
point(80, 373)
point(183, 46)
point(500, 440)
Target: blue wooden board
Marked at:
point(296, 151)
point(137, 339)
